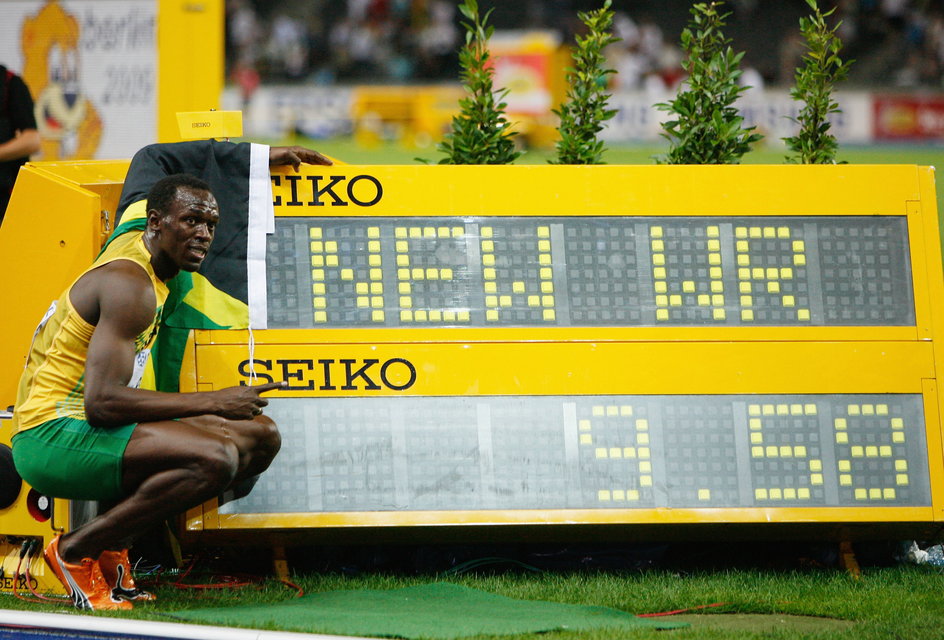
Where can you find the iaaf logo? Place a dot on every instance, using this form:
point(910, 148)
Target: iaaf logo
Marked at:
point(6, 583)
point(368, 374)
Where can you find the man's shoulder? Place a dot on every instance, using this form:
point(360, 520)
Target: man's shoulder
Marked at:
point(124, 266)
point(120, 281)
point(119, 289)
point(123, 260)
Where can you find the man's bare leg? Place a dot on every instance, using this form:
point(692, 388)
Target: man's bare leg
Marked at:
point(169, 466)
point(257, 440)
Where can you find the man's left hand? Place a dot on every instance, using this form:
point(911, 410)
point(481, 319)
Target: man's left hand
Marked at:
point(295, 156)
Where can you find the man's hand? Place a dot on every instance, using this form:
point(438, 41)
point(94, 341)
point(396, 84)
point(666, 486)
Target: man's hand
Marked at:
point(24, 143)
point(244, 403)
point(295, 156)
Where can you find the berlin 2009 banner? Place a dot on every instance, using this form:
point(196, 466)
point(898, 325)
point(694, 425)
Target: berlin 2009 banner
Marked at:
point(91, 66)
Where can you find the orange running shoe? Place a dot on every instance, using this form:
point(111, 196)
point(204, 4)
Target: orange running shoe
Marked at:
point(84, 581)
point(117, 571)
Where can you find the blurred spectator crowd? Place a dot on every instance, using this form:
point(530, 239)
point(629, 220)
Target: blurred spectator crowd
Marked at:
point(896, 43)
point(347, 40)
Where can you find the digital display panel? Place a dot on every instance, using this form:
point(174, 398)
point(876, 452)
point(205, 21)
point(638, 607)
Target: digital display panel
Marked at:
point(589, 271)
point(594, 452)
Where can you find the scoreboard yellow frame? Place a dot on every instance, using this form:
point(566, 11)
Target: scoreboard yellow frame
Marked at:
point(78, 200)
point(457, 361)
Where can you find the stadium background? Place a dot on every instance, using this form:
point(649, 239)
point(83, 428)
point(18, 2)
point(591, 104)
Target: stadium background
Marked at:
point(376, 80)
point(307, 67)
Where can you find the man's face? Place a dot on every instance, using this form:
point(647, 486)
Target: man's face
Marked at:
point(187, 228)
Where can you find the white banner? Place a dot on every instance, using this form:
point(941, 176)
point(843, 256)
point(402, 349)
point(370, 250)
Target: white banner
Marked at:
point(322, 112)
point(276, 111)
point(637, 118)
point(91, 66)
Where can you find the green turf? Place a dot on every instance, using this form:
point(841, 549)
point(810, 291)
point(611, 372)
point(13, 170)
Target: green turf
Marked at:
point(435, 610)
point(885, 604)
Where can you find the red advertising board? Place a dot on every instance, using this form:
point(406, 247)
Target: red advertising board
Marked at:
point(908, 117)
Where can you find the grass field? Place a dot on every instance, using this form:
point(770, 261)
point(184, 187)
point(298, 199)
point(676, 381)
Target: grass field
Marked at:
point(891, 603)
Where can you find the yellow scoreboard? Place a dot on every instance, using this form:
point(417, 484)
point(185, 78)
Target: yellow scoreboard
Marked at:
point(603, 345)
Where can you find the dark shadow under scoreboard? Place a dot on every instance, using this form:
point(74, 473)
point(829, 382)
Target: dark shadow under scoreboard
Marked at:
point(599, 345)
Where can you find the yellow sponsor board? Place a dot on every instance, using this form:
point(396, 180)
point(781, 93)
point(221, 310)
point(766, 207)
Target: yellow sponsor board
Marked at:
point(563, 367)
point(200, 125)
point(608, 345)
point(607, 190)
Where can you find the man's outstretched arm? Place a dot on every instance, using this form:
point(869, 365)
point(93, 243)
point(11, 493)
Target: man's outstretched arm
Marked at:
point(207, 159)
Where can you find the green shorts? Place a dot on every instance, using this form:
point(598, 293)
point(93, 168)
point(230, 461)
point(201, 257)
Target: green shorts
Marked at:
point(69, 458)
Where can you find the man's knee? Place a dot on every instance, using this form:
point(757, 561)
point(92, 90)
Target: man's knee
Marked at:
point(269, 440)
point(218, 463)
point(263, 447)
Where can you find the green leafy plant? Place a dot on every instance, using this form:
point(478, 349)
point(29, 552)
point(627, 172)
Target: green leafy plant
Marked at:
point(706, 128)
point(480, 133)
point(821, 69)
point(583, 114)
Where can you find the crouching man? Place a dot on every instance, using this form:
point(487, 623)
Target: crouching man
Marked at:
point(84, 431)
